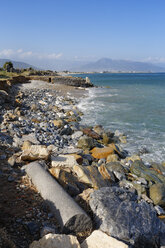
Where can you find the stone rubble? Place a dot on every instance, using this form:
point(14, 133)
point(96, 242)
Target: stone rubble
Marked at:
point(122, 190)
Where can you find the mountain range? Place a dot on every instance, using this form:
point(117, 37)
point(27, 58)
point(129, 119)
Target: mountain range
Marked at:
point(106, 64)
point(16, 64)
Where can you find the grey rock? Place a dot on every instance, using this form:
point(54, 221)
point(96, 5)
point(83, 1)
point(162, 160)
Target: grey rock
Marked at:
point(77, 135)
point(47, 229)
point(118, 214)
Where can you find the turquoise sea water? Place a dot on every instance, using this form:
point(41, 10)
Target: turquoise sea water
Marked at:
point(133, 104)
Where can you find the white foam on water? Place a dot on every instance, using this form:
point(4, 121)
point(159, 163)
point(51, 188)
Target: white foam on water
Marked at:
point(110, 108)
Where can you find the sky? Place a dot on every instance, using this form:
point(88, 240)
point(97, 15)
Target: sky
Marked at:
point(47, 32)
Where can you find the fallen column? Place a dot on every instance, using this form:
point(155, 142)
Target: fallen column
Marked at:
point(70, 216)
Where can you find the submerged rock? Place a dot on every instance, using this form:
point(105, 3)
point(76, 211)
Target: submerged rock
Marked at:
point(118, 214)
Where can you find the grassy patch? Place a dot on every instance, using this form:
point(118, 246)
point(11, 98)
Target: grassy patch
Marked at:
point(5, 74)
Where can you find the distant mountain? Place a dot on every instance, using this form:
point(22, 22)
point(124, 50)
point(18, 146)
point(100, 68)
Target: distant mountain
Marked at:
point(111, 65)
point(16, 64)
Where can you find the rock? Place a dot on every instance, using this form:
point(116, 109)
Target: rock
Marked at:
point(106, 174)
point(70, 150)
point(47, 229)
point(118, 214)
point(67, 180)
point(157, 194)
point(122, 154)
point(34, 107)
point(133, 158)
point(99, 239)
point(159, 167)
point(56, 241)
point(11, 161)
point(77, 135)
point(35, 152)
point(78, 158)
point(98, 129)
point(143, 150)
point(30, 137)
point(112, 158)
point(106, 139)
point(85, 142)
point(90, 176)
point(141, 189)
point(66, 130)
point(85, 195)
point(58, 123)
point(102, 152)
point(88, 157)
point(90, 133)
point(139, 169)
point(117, 169)
point(26, 145)
point(66, 161)
point(123, 139)
point(118, 133)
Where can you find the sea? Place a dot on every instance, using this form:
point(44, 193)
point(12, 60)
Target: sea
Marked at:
point(133, 104)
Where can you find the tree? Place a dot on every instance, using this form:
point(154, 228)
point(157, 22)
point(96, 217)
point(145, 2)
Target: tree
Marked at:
point(8, 65)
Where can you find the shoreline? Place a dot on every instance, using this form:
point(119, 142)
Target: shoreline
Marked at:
point(48, 115)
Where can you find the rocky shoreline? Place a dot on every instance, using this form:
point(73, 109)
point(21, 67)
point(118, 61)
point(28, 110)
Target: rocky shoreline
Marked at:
point(123, 197)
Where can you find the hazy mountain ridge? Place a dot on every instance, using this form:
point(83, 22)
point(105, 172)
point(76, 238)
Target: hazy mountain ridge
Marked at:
point(16, 64)
point(106, 64)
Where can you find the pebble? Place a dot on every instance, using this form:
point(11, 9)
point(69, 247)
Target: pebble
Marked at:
point(11, 179)
point(33, 227)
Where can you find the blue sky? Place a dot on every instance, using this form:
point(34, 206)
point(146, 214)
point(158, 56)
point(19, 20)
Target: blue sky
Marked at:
point(52, 31)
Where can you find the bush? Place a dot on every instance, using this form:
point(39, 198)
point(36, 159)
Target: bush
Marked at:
point(8, 65)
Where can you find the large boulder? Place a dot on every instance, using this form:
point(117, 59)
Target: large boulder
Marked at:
point(98, 239)
point(157, 194)
point(118, 213)
point(56, 241)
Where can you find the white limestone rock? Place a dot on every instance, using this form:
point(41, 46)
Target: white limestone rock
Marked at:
point(65, 161)
point(56, 241)
point(99, 239)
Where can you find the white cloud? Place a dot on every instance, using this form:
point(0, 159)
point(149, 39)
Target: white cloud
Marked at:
point(155, 59)
point(6, 52)
point(20, 53)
